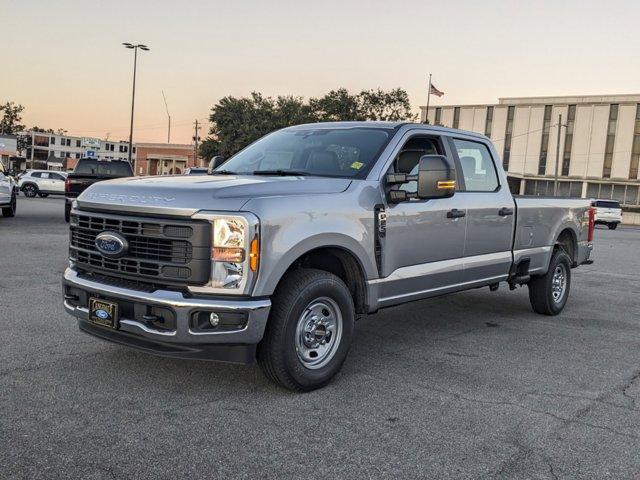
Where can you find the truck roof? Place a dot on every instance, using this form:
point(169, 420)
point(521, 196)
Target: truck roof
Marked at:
point(380, 124)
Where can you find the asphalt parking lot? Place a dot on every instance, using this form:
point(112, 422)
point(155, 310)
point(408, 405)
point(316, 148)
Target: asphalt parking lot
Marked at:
point(473, 385)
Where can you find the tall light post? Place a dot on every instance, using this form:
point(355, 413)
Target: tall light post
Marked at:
point(133, 94)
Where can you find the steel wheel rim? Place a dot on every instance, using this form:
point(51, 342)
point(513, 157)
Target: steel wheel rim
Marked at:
point(559, 283)
point(318, 333)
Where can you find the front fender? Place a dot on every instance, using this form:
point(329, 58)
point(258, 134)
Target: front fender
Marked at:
point(268, 281)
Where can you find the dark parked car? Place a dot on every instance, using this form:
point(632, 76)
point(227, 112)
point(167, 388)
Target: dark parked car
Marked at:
point(89, 171)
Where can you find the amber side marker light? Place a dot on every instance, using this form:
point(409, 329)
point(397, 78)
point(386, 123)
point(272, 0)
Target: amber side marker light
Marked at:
point(446, 184)
point(254, 254)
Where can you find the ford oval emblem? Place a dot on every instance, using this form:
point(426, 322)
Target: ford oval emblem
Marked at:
point(102, 314)
point(111, 244)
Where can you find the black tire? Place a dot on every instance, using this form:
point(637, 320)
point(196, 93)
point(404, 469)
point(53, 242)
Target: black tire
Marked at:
point(30, 190)
point(10, 211)
point(278, 353)
point(43, 195)
point(612, 226)
point(541, 288)
point(67, 212)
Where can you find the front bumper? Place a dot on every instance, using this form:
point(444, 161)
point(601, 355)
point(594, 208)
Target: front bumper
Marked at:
point(182, 340)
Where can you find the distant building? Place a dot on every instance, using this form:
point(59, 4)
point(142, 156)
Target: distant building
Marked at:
point(164, 158)
point(599, 142)
point(8, 149)
point(61, 152)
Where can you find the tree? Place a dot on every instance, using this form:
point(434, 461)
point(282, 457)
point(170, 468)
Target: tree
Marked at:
point(208, 148)
point(10, 124)
point(59, 131)
point(337, 105)
point(237, 122)
point(391, 106)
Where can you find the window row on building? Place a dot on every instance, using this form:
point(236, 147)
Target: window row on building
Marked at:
point(591, 137)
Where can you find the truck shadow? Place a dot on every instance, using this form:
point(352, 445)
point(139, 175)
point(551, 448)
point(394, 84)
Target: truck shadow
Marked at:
point(427, 329)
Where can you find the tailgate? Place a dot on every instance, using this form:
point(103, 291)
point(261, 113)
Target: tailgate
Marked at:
point(75, 185)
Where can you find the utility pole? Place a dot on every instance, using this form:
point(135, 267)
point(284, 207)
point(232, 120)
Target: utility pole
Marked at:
point(426, 117)
point(555, 176)
point(195, 147)
point(167, 108)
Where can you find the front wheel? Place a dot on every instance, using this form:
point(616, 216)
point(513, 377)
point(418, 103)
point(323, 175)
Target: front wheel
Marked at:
point(30, 190)
point(612, 226)
point(10, 211)
point(309, 330)
point(548, 293)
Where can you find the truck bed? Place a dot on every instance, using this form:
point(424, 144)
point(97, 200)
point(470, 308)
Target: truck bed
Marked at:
point(541, 220)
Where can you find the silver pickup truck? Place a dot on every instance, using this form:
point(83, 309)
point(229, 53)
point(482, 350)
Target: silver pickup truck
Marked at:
point(276, 253)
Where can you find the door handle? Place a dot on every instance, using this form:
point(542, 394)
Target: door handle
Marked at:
point(504, 211)
point(455, 213)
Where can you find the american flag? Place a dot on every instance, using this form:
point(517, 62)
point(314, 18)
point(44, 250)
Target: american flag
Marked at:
point(435, 91)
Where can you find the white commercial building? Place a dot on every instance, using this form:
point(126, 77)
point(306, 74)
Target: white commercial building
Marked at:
point(599, 148)
point(60, 152)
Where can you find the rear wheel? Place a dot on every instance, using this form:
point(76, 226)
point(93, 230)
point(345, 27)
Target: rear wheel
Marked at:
point(612, 226)
point(30, 190)
point(10, 211)
point(309, 330)
point(548, 293)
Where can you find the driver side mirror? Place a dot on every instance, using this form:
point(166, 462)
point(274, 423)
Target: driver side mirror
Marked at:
point(215, 163)
point(436, 178)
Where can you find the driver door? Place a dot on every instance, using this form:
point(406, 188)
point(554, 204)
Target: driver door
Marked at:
point(424, 240)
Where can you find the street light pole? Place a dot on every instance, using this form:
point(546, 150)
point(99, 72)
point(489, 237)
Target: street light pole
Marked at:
point(133, 93)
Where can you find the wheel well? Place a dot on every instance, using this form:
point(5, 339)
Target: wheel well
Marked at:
point(567, 242)
point(343, 264)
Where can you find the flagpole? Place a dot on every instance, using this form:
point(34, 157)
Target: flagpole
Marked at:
point(426, 117)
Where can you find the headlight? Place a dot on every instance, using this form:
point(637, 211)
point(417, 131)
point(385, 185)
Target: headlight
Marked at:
point(229, 240)
point(235, 250)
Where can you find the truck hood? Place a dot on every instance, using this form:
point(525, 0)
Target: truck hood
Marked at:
point(187, 194)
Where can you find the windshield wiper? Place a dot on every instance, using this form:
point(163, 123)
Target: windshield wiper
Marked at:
point(223, 172)
point(281, 173)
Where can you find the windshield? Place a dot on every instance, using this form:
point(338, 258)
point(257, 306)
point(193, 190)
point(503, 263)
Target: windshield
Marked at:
point(607, 204)
point(340, 152)
point(95, 167)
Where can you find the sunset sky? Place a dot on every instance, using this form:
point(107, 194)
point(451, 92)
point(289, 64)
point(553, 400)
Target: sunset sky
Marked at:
point(65, 63)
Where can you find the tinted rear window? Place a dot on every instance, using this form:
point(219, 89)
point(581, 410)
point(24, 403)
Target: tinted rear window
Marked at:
point(605, 204)
point(94, 167)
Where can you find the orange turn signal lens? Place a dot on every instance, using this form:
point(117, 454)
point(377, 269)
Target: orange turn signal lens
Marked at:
point(227, 254)
point(446, 184)
point(254, 254)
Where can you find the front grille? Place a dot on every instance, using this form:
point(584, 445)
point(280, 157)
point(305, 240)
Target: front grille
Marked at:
point(165, 250)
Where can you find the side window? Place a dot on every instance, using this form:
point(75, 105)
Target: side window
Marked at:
point(35, 174)
point(44, 175)
point(56, 176)
point(408, 159)
point(477, 166)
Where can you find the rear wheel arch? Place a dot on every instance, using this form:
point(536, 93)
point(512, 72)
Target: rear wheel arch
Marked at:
point(567, 241)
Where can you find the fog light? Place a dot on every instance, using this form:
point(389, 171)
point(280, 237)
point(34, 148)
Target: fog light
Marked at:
point(214, 319)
